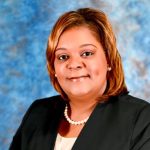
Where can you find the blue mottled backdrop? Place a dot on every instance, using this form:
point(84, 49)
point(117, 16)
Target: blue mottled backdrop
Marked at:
point(24, 29)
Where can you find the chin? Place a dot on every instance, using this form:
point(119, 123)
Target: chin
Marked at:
point(77, 93)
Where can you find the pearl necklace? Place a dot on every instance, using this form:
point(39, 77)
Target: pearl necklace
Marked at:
point(72, 121)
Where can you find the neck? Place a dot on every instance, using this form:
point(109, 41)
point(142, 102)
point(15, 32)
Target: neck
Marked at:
point(80, 109)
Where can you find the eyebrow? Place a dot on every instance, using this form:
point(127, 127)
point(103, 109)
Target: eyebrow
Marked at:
point(84, 45)
point(81, 46)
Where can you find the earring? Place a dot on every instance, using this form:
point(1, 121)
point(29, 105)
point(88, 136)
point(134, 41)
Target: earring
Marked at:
point(109, 68)
point(55, 75)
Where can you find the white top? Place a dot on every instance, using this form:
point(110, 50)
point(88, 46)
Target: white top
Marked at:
point(63, 143)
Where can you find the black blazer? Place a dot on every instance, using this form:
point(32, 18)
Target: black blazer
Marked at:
point(122, 123)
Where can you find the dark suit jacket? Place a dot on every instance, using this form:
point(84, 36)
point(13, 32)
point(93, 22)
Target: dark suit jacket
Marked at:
point(122, 123)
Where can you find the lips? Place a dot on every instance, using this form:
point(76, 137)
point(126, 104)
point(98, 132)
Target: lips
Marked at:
point(78, 77)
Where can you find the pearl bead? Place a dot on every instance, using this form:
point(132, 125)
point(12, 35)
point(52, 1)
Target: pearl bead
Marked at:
point(72, 121)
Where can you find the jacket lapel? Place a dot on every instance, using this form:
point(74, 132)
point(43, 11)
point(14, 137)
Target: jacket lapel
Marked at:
point(91, 133)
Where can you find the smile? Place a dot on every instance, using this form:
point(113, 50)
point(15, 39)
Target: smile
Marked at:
point(78, 78)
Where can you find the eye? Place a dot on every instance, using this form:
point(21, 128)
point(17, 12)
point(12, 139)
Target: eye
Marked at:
point(63, 57)
point(86, 54)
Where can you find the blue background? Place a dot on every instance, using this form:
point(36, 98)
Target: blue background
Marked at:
point(24, 29)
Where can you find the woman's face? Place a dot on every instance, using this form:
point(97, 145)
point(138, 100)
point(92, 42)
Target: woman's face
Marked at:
point(80, 63)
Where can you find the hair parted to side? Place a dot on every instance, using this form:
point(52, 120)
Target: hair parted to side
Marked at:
point(100, 26)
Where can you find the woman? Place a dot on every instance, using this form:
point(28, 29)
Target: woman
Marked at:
point(94, 111)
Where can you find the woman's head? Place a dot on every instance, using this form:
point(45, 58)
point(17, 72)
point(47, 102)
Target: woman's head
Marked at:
point(97, 22)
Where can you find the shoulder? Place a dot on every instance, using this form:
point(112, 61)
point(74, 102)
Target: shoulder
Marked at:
point(47, 100)
point(40, 109)
point(130, 102)
point(47, 103)
point(134, 113)
point(139, 108)
point(139, 111)
point(38, 117)
point(126, 98)
point(129, 108)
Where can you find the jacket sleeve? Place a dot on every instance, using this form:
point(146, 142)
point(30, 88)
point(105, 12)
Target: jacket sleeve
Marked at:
point(17, 139)
point(141, 132)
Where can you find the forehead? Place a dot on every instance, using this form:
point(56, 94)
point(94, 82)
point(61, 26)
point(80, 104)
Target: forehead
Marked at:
point(76, 35)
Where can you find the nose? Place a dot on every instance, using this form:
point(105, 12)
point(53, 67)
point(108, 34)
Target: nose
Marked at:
point(75, 63)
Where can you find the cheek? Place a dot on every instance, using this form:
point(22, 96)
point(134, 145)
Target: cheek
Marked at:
point(59, 70)
point(99, 70)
